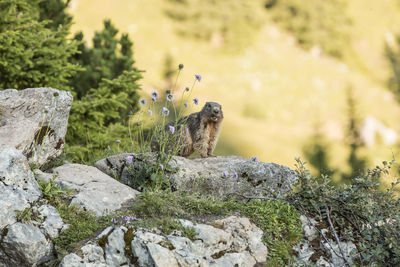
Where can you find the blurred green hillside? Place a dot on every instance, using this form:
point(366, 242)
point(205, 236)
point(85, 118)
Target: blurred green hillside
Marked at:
point(275, 91)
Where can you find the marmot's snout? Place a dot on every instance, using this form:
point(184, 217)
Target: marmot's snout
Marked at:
point(213, 110)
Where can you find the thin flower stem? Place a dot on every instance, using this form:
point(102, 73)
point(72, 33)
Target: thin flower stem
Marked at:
point(176, 80)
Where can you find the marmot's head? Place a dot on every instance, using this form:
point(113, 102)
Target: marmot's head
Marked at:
point(212, 111)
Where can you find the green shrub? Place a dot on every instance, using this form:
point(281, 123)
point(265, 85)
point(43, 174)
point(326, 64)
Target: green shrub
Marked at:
point(359, 211)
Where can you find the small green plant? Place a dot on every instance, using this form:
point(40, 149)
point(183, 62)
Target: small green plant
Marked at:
point(359, 211)
point(28, 214)
point(82, 225)
point(50, 190)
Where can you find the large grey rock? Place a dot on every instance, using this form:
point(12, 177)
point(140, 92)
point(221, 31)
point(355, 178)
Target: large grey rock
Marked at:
point(18, 187)
point(97, 191)
point(35, 121)
point(221, 175)
point(25, 245)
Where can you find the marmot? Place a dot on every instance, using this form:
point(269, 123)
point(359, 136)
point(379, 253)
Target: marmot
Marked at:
point(200, 132)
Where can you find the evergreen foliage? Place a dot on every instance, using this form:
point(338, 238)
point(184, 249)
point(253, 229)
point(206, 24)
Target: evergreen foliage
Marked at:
point(96, 119)
point(55, 12)
point(35, 52)
point(105, 95)
point(314, 22)
point(31, 55)
point(107, 59)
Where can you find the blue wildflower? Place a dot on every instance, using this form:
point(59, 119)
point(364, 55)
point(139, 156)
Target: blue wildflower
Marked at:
point(150, 112)
point(186, 105)
point(143, 102)
point(235, 175)
point(196, 101)
point(255, 159)
point(225, 174)
point(171, 129)
point(161, 167)
point(170, 97)
point(129, 159)
point(154, 94)
point(118, 141)
point(237, 213)
point(154, 99)
point(165, 111)
point(198, 77)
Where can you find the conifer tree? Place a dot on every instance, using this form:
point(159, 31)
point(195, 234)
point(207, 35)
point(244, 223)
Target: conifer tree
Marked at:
point(105, 94)
point(35, 52)
point(32, 55)
point(107, 59)
point(55, 12)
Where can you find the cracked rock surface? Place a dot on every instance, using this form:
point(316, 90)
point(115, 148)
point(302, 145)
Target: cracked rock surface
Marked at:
point(35, 121)
point(232, 241)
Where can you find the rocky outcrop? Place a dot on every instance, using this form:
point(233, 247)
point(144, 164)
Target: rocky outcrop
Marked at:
point(96, 191)
point(224, 175)
point(18, 187)
point(34, 121)
point(229, 242)
point(23, 244)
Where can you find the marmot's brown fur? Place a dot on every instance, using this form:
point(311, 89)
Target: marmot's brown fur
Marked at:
point(200, 132)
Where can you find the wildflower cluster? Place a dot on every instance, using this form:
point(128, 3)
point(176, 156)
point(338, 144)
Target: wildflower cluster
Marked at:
point(123, 220)
point(155, 132)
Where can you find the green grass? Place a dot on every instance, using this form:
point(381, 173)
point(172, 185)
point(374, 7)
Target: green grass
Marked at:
point(279, 221)
point(82, 224)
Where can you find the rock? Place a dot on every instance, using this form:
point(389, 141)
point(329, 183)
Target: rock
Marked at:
point(93, 253)
point(232, 241)
point(35, 121)
point(97, 191)
point(115, 248)
point(52, 223)
point(25, 245)
point(314, 244)
point(18, 187)
point(72, 260)
point(161, 256)
point(336, 259)
point(234, 259)
point(221, 175)
point(245, 236)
